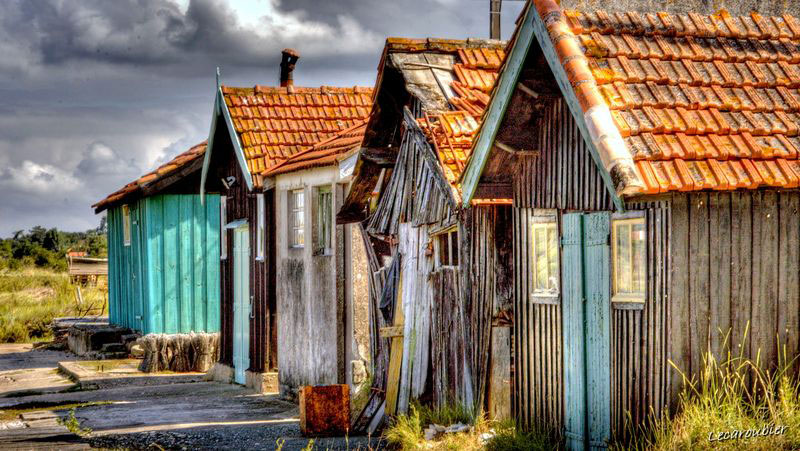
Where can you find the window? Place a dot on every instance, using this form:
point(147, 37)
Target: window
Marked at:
point(544, 252)
point(223, 230)
point(446, 248)
point(323, 224)
point(126, 225)
point(260, 230)
point(629, 270)
point(296, 218)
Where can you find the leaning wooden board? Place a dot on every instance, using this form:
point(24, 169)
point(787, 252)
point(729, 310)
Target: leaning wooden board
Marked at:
point(395, 353)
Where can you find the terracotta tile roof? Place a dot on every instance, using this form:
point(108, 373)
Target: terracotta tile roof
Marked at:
point(700, 102)
point(452, 132)
point(183, 160)
point(274, 123)
point(324, 153)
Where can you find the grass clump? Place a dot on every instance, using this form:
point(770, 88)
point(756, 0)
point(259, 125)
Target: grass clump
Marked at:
point(73, 425)
point(407, 432)
point(730, 394)
point(31, 298)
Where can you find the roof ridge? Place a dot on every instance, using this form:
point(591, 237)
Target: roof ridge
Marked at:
point(266, 89)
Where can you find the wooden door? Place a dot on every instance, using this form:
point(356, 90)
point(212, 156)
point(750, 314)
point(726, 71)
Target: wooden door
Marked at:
point(586, 327)
point(241, 302)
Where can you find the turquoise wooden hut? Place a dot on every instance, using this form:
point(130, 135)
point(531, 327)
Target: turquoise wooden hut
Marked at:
point(163, 250)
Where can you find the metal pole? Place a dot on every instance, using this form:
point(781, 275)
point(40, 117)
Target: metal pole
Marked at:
point(494, 18)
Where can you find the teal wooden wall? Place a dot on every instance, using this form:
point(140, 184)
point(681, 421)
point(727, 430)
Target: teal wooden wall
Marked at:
point(168, 279)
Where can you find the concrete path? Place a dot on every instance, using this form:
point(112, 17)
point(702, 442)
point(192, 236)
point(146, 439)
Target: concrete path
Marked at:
point(23, 371)
point(196, 415)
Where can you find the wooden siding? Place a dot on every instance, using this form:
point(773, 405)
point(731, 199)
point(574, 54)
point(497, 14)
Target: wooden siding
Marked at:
point(563, 175)
point(735, 263)
point(166, 280)
point(538, 383)
point(640, 337)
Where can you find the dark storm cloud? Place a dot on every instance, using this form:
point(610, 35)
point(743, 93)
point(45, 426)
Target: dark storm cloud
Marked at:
point(96, 92)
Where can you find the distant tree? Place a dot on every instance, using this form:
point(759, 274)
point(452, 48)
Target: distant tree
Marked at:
point(52, 240)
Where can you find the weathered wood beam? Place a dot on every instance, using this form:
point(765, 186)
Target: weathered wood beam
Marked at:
point(164, 182)
point(391, 331)
point(382, 156)
point(494, 191)
point(527, 90)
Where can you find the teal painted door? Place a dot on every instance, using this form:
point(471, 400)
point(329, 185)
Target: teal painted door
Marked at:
point(586, 327)
point(241, 302)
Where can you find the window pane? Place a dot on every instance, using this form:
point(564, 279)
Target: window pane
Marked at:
point(444, 256)
point(638, 264)
point(552, 258)
point(623, 273)
point(454, 248)
point(545, 258)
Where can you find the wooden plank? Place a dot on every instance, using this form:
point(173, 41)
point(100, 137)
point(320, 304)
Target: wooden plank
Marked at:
point(741, 272)
point(154, 214)
point(185, 264)
point(171, 256)
point(572, 320)
point(788, 302)
point(699, 294)
point(395, 353)
point(720, 271)
point(680, 351)
point(391, 331)
point(764, 323)
point(213, 265)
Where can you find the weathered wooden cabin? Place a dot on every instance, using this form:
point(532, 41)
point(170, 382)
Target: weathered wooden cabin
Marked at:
point(163, 249)
point(322, 285)
point(652, 160)
point(441, 297)
point(253, 130)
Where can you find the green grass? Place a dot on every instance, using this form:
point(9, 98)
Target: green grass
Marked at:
point(406, 432)
point(730, 393)
point(31, 298)
point(73, 425)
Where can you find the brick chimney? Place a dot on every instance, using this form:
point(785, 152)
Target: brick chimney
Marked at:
point(288, 59)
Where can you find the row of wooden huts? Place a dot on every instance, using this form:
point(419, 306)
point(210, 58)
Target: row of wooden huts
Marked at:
point(544, 229)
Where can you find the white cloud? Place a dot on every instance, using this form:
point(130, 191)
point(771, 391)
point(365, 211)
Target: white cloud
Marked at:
point(36, 178)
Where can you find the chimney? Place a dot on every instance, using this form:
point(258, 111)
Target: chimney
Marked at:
point(288, 59)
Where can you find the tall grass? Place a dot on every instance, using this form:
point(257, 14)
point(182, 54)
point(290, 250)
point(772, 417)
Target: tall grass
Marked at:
point(729, 393)
point(31, 298)
point(407, 432)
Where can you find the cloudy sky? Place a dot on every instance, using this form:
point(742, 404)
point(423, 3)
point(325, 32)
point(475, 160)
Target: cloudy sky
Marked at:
point(96, 92)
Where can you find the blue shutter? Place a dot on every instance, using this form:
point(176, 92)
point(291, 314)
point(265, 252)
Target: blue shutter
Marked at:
point(572, 320)
point(597, 261)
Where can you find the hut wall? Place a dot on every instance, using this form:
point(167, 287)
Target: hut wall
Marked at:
point(563, 175)
point(167, 280)
point(734, 271)
point(315, 290)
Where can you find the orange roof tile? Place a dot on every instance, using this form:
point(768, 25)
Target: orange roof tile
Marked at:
point(701, 102)
point(181, 161)
point(452, 132)
point(274, 123)
point(324, 153)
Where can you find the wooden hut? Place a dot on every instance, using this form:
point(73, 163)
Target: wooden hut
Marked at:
point(652, 159)
point(253, 130)
point(441, 275)
point(163, 246)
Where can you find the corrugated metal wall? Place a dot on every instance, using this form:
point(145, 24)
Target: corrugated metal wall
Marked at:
point(167, 280)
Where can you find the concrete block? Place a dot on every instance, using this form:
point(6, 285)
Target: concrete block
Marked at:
point(325, 410)
point(261, 382)
point(85, 338)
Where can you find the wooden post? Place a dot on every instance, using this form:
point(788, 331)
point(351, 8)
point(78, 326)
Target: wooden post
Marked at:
point(395, 352)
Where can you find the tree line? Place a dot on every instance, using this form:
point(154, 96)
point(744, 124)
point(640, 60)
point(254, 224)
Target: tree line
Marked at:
point(47, 248)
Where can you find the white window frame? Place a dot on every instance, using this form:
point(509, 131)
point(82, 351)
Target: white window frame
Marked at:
point(452, 251)
point(293, 211)
point(632, 218)
point(223, 230)
point(547, 221)
point(260, 229)
point(126, 225)
point(323, 224)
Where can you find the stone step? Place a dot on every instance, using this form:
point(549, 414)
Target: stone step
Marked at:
point(113, 347)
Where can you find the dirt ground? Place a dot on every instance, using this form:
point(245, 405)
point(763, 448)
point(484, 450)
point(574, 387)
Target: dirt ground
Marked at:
point(141, 412)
